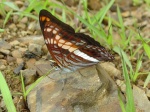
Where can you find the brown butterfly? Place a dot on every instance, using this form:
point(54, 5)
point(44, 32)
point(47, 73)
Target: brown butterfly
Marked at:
point(69, 49)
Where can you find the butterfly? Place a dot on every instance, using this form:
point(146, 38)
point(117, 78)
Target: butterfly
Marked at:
point(69, 49)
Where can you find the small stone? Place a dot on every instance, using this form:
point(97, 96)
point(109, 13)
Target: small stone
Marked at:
point(35, 48)
point(19, 3)
point(29, 75)
point(44, 49)
point(24, 20)
point(1, 56)
point(3, 62)
point(15, 43)
point(18, 68)
point(122, 85)
point(10, 59)
point(125, 14)
point(19, 61)
point(31, 63)
point(110, 68)
point(5, 45)
point(2, 67)
point(140, 82)
point(15, 18)
point(94, 4)
point(12, 26)
point(16, 54)
point(23, 50)
point(4, 51)
point(141, 99)
point(21, 25)
point(24, 33)
point(130, 21)
point(32, 26)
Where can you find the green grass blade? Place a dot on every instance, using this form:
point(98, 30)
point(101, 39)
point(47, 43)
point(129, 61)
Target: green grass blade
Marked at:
point(23, 86)
point(6, 94)
point(2, 30)
point(11, 5)
point(130, 106)
point(26, 14)
point(147, 49)
point(122, 105)
point(138, 66)
point(125, 57)
point(7, 17)
point(147, 80)
point(105, 9)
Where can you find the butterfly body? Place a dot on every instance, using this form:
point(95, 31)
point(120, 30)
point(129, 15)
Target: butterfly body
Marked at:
point(69, 49)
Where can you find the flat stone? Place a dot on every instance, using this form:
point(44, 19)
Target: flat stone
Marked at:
point(4, 51)
point(140, 99)
point(2, 67)
point(18, 68)
point(29, 75)
point(16, 54)
point(35, 48)
point(30, 63)
point(110, 68)
point(32, 39)
point(15, 43)
point(88, 89)
point(4, 45)
point(21, 25)
point(10, 59)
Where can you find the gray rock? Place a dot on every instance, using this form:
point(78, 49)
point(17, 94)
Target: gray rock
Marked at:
point(15, 43)
point(18, 68)
point(35, 48)
point(4, 45)
point(29, 75)
point(87, 90)
point(17, 54)
point(4, 51)
point(140, 99)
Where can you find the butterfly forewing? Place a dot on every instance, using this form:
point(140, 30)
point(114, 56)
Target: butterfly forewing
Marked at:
point(67, 48)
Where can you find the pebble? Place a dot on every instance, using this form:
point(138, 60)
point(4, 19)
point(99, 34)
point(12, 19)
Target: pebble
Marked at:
point(15, 18)
point(19, 61)
point(29, 75)
point(3, 62)
point(111, 69)
point(12, 26)
point(1, 56)
point(16, 54)
point(10, 59)
point(24, 20)
point(4, 51)
point(122, 85)
point(18, 68)
point(21, 25)
point(30, 63)
point(15, 43)
point(2, 67)
point(31, 26)
point(23, 50)
point(5, 45)
point(35, 48)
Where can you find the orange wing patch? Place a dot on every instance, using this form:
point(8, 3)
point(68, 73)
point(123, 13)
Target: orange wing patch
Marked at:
point(43, 18)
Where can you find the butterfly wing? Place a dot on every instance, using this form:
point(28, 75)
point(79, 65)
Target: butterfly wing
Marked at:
point(68, 48)
point(58, 37)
